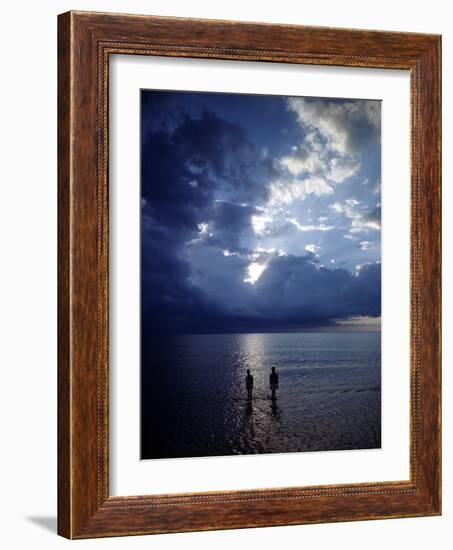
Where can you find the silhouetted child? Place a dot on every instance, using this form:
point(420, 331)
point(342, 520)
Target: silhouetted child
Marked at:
point(273, 382)
point(249, 384)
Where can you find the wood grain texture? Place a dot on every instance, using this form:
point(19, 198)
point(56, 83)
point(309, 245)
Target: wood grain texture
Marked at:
point(64, 370)
point(86, 40)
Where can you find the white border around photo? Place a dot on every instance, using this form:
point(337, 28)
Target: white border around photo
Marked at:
point(128, 474)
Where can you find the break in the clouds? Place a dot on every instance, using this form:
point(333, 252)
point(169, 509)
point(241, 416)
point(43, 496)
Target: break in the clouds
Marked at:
point(259, 212)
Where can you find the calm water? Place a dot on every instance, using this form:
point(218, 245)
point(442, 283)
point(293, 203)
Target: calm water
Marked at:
point(194, 401)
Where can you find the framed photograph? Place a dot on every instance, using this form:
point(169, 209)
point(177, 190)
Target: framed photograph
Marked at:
point(249, 275)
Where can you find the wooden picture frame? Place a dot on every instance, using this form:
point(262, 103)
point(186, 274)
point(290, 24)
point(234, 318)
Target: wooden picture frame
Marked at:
point(85, 42)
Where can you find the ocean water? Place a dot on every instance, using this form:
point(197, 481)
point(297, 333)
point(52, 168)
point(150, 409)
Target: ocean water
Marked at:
point(194, 401)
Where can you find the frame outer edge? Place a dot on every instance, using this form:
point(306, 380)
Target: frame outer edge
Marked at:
point(64, 527)
point(427, 273)
point(435, 172)
point(438, 168)
point(81, 402)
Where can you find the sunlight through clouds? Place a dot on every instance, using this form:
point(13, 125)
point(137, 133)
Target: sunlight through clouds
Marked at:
point(254, 272)
point(313, 249)
point(282, 192)
point(305, 228)
point(259, 223)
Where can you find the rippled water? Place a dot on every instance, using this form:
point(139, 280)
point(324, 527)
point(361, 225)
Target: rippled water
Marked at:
point(194, 401)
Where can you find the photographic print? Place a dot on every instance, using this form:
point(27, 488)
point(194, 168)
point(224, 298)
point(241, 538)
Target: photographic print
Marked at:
point(260, 274)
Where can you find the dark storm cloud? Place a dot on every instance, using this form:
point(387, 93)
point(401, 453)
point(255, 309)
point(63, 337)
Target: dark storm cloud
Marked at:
point(169, 298)
point(188, 173)
point(229, 222)
point(298, 290)
point(201, 158)
point(292, 293)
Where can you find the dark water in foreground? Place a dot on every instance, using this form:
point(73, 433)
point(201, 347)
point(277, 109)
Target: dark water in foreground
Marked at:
point(194, 401)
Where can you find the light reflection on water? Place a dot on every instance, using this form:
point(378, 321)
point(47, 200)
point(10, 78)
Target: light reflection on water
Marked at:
point(194, 401)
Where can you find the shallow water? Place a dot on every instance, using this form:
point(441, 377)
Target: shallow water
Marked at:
point(194, 401)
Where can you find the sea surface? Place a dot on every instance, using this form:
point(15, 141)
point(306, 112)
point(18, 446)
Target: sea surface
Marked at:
point(194, 401)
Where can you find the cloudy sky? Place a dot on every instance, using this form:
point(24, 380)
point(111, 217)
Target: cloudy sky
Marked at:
point(259, 213)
